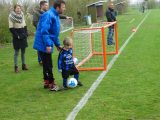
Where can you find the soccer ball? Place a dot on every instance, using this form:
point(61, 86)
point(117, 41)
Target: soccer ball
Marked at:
point(75, 60)
point(72, 83)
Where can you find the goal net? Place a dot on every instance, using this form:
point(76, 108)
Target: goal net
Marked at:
point(110, 49)
point(89, 47)
point(66, 25)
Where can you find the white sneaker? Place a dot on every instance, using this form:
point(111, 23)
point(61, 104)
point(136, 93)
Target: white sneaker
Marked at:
point(55, 88)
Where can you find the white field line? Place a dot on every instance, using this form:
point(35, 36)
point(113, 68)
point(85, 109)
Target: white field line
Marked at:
point(132, 20)
point(89, 93)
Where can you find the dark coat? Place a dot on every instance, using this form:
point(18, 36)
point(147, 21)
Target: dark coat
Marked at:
point(19, 33)
point(19, 37)
point(38, 13)
point(36, 17)
point(111, 15)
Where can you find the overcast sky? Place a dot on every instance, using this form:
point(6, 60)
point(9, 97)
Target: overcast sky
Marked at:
point(135, 1)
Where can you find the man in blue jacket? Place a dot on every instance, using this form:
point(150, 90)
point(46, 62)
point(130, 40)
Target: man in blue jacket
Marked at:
point(46, 38)
point(111, 17)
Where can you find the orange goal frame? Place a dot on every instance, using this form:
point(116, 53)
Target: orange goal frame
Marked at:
point(104, 52)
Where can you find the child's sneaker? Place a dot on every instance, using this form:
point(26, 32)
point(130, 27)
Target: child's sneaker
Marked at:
point(79, 83)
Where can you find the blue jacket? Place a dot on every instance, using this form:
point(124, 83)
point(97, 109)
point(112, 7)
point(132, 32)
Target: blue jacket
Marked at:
point(48, 30)
point(65, 60)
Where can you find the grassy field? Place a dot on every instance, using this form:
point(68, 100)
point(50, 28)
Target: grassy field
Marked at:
point(130, 91)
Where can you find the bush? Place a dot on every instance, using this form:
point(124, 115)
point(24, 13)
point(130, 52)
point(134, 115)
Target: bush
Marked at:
point(4, 29)
point(5, 34)
point(151, 4)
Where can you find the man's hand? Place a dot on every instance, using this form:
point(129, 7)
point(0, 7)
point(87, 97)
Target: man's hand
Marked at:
point(69, 17)
point(59, 48)
point(49, 49)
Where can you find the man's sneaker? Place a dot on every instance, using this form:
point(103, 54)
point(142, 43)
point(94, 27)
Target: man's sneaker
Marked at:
point(55, 88)
point(79, 83)
point(46, 84)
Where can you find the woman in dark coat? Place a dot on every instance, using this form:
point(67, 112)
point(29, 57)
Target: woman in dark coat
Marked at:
point(18, 28)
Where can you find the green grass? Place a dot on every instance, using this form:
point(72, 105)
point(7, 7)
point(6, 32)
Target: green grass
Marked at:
point(129, 91)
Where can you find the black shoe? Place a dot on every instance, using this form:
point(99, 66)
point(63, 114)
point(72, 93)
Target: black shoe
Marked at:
point(16, 69)
point(112, 43)
point(80, 84)
point(24, 67)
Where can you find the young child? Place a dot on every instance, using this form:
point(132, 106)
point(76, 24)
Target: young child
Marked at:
point(66, 64)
